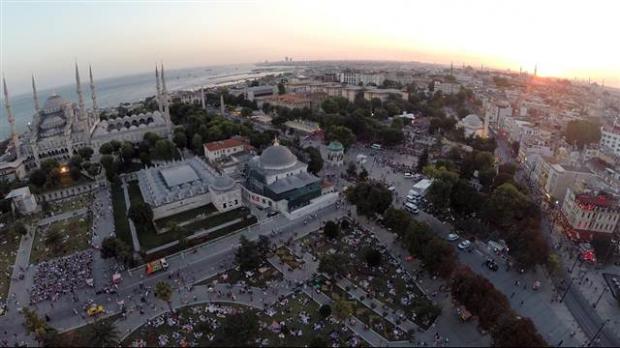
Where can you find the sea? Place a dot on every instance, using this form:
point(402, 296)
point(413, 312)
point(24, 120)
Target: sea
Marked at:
point(113, 91)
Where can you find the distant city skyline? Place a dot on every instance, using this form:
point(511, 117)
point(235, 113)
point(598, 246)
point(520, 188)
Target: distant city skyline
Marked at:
point(563, 39)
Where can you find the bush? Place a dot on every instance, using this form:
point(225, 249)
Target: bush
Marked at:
point(325, 311)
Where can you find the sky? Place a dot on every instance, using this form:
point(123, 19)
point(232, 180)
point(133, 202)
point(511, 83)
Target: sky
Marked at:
point(563, 38)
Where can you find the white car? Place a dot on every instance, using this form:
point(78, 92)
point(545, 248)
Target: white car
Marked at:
point(408, 176)
point(464, 245)
point(452, 237)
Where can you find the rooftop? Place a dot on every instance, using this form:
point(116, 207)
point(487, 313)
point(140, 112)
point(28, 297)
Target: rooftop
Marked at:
point(175, 176)
point(599, 199)
point(224, 144)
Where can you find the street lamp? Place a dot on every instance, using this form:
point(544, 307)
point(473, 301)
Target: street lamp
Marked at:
point(600, 297)
point(597, 333)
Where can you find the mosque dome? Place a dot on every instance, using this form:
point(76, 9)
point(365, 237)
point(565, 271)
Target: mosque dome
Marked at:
point(54, 103)
point(277, 157)
point(222, 183)
point(472, 121)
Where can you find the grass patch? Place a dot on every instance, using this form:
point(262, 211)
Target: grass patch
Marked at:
point(9, 243)
point(290, 312)
point(261, 279)
point(78, 337)
point(286, 257)
point(119, 209)
point(185, 216)
point(70, 204)
point(76, 237)
point(211, 236)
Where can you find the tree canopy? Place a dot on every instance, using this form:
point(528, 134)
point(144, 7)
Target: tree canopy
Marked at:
point(582, 132)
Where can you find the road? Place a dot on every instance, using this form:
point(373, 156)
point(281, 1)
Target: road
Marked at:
point(554, 321)
point(208, 258)
point(580, 308)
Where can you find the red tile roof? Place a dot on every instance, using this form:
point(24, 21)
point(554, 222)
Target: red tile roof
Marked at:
point(225, 144)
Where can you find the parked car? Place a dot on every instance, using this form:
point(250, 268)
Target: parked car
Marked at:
point(452, 237)
point(492, 265)
point(408, 176)
point(464, 245)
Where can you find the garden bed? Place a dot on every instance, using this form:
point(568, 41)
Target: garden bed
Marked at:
point(75, 236)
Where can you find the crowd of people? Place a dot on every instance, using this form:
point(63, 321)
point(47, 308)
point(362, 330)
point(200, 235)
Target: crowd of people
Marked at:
point(62, 276)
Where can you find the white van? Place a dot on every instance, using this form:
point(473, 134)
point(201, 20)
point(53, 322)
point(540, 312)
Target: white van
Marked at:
point(412, 208)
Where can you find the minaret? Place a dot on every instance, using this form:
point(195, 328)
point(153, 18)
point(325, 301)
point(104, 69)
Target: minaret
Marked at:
point(159, 105)
point(202, 99)
point(222, 105)
point(535, 70)
point(35, 96)
point(79, 93)
point(164, 94)
point(9, 113)
point(93, 95)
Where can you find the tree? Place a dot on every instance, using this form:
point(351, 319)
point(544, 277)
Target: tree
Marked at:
point(141, 213)
point(103, 333)
point(263, 245)
point(554, 265)
point(117, 248)
point(332, 265)
point(370, 198)
point(514, 331)
point(37, 326)
point(397, 220)
point(38, 178)
point(582, 132)
point(352, 169)
point(164, 150)
point(127, 151)
point(318, 342)
point(86, 153)
point(331, 229)
point(247, 255)
point(237, 330)
point(281, 88)
point(197, 143)
point(329, 106)
point(316, 161)
point(180, 139)
point(343, 309)
point(106, 149)
point(363, 175)
point(163, 291)
point(246, 112)
point(422, 160)
point(325, 311)
point(53, 239)
point(19, 228)
point(342, 134)
point(373, 257)
point(505, 205)
point(515, 148)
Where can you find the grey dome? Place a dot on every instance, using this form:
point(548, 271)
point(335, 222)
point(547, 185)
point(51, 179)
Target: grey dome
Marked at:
point(54, 103)
point(277, 157)
point(222, 183)
point(472, 121)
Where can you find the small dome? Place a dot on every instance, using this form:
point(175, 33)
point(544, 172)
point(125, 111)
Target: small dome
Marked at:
point(54, 103)
point(277, 157)
point(335, 146)
point(222, 183)
point(472, 121)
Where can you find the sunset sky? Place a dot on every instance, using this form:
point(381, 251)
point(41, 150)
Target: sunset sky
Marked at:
point(564, 38)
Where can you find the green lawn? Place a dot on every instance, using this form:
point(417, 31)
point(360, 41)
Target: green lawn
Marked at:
point(79, 202)
point(185, 216)
point(259, 279)
point(77, 237)
point(9, 243)
point(290, 312)
point(121, 222)
point(79, 337)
